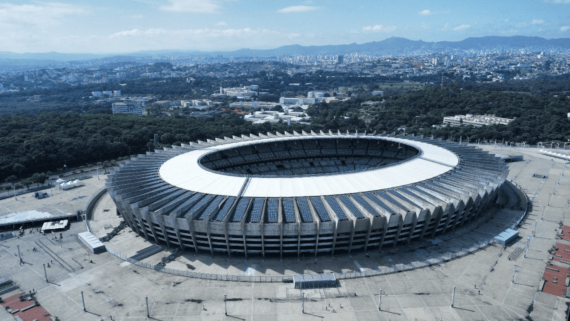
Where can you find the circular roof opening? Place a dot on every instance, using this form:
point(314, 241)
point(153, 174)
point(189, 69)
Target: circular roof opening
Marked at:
point(307, 157)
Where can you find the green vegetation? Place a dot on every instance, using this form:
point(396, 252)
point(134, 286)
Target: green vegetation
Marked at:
point(45, 142)
point(538, 118)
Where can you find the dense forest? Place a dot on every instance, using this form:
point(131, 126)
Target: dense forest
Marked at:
point(36, 143)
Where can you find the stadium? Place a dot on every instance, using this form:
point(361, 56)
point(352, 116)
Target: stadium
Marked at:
point(293, 194)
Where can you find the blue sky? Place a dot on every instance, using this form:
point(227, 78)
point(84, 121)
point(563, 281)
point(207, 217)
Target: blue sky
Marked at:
point(122, 26)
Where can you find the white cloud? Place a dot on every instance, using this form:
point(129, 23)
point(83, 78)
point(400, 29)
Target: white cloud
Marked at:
point(221, 24)
point(462, 27)
point(41, 14)
point(192, 6)
point(565, 28)
point(205, 39)
point(537, 22)
point(196, 33)
point(378, 28)
point(424, 12)
point(296, 9)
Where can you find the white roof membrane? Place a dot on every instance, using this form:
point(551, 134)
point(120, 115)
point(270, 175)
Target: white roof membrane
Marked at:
point(184, 171)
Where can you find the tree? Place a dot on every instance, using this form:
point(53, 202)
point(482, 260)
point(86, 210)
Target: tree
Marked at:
point(39, 179)
point(167, 138)
point(27, 182)
point(11, 179)
point(18, 168)
point(278, 108)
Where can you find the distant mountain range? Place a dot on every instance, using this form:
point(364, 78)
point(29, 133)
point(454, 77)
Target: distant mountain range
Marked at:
point(390, 46)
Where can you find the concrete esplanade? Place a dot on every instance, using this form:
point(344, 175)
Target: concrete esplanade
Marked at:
point(304, 193)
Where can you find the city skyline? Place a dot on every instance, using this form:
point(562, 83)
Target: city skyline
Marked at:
point(212, 25)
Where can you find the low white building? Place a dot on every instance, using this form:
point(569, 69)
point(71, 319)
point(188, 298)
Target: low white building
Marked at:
point(197, 103)
point(475, 120)
point(261, 117)
point(315, 94)
point(244, 92)
point(127, 108)
point(253, 105)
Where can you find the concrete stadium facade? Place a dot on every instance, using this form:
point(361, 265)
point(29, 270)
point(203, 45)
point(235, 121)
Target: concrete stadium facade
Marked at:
point(304, 193)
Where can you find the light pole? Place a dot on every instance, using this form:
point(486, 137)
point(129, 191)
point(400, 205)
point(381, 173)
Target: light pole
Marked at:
point(19, 255)
point(147, 311)
point(514, 272)
point(453, 297)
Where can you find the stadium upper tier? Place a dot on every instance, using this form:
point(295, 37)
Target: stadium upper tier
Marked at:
point(309, 192)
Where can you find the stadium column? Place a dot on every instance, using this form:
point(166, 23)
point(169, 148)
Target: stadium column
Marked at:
point(160, 220)
point(191, 230)
point(262, 230)
point(384, 224)
point(318, 229)
point(298, 224)
point(444, 213)
point(139, 218)
point(414, 219)
point(464, 213)
point(451, 221)
point(281, 227)
point(226, 222)
point(243, 235)
point(174, 221)
point(427, 220)
point(352, 229)
point(475, 208)
point(127, 212)
point(147, 215)
point(369, 230)
point(298, 239)
point(208, 222)
point(127, 216)
point(400, 224)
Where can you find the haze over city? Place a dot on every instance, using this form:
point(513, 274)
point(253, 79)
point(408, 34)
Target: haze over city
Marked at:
point(222, 25)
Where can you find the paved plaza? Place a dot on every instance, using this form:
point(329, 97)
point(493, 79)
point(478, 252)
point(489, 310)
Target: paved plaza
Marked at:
point(26, 206)
point(485, 288)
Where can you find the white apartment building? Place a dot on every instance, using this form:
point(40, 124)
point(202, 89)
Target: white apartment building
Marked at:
point(261, 117)
point(244, 92)
point(127, 108)
point(475, 120)
point(197, 103)
point(315, 94)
